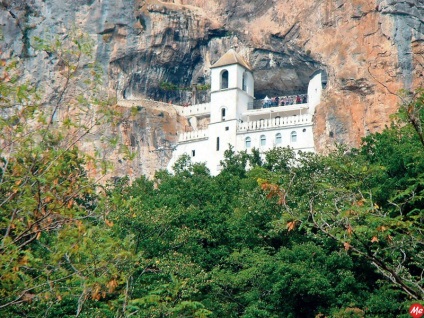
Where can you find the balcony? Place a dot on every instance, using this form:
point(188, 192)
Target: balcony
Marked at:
point(286, 111)
point(290, 100)
point(272, 123)
point(193, 135)
point(195, 110)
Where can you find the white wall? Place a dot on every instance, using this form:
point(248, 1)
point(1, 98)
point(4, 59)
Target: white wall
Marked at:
point(304, 141)
point(199, 146)
point(205, 149)
point(233, 75)
point(314, 92)
point(223, 99)
point(250, 83)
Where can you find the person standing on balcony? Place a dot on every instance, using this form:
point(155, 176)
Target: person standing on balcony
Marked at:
point(298, 100)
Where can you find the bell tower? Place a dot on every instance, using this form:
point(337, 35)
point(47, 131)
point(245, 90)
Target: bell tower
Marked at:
point(232, 87)
point(232, 93)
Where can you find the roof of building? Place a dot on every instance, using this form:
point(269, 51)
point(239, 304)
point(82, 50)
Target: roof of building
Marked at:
point(229, 58)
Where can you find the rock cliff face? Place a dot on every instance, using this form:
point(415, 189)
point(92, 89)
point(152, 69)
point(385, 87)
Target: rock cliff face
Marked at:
point(140, 142)
point(370, 49)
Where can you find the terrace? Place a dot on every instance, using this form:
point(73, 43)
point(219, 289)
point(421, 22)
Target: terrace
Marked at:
point(271, 123)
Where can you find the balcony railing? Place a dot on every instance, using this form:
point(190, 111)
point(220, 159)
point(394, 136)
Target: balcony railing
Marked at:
point(280, 101)
point(193, 135)
point(274, 122)
point(195, 110)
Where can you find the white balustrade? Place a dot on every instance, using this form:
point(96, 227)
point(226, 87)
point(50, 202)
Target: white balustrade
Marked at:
point(264, 124)
point(192, 135)
point(195, 110)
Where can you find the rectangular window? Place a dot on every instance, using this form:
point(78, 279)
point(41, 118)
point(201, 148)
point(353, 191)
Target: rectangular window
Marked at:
point(248, 142)
point(217, 143)
point(193, 153)
point(278, 138)
point(263, 140)
point(227, 128)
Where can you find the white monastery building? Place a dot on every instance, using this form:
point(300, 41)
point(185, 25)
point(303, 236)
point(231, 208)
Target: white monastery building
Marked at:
point(236, 118)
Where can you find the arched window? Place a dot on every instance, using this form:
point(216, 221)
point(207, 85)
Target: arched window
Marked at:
point(248, 142)
point(293, 136)
point(224, 79)
point(263, 140)
point(222, 114)
point(278, 139)
point(277, 120)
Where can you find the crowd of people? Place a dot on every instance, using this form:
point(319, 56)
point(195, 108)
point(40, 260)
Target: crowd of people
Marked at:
point(284, 100)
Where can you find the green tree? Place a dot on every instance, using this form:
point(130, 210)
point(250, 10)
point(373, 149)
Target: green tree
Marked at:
point(55, 248)
point(369, 201)
point(217, 246)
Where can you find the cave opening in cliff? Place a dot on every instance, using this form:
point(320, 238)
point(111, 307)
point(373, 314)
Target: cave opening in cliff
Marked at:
point(275, 74)
point(280, 83)
point(282, 73)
